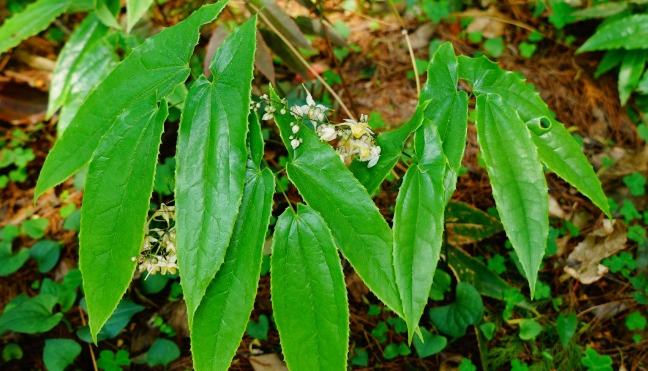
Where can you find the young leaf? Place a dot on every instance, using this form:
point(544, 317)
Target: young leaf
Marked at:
point(155, 67)
point(418, 225)
point(228, 301)
point(115, 204)
point(556, 147)
point(626, 33)
point(630, 72)
point(135, 9)
point(391, 144)
point(308, 293)
point(34, 19)
point(611, 59)
point(211, 157)
point(10, 262)
point(360, 231)
point(106, 12)
point(519, 186)
point(566, 327)
point(31, 316)
point(453, 319)
point(81, 41)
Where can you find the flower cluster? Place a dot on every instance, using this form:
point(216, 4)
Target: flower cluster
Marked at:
point(355, 138)
point(159, 251)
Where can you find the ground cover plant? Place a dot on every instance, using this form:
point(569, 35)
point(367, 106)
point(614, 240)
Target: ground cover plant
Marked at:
point(263, 179)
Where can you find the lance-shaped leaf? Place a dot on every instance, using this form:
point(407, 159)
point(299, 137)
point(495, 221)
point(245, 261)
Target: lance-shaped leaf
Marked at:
point(135, 10)
point(211, 157)
point(156, 67)
point(360, 231)
point(391, 144)
point(115, 205)
point(447, 110)
point(519, 186)
point(93, 67)
point(81, 41)
point(225, 309)
point(308, 293)
point(630, 72)
point(625, 33)
point(418, 225)
point(556, 147)
point(34, 19)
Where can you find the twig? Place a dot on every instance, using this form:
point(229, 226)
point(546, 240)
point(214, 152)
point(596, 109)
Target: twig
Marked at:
point(338, 68)
point(92, 355)
point(305, 62)
point(409, 47)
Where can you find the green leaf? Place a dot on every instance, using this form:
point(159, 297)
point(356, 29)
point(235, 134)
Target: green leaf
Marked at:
point(90, 69)
point(135, 9)
point(34, 19)
point(635, 321)
point(10, 262)
point(600, 11)
point(467, 310)
point(529, 329)
point(430, 345)
point(391, 144)
point(117, 322)
point(211, 156)
point(31, 316)
point(258, 329)
point(164, 183)
point(35, 228)
point(611, 59)
point(466, 224)
point(556, 147)
point(84, 37)
point(626, 33)
point(109, 361)
point(106, 11)
point(46, 253)
point(12, 351)
point(566, 327)
point(418, 225)
point(162, 352)
point(115, 206)
point(60, 353)
point(446, 112)
point(229, 299)
point(519, 186)
point(308, 293)
point(154, 68)
point(595, 362)
point(360, 231)
point(631, 69)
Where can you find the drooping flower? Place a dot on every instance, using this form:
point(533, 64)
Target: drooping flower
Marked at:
point(327, 132)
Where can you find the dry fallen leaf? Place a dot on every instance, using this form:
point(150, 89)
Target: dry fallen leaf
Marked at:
point(267, 362)
point(583, 262)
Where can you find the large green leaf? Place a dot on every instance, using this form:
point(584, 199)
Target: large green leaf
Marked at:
point(360, 231)
point(556, 147)
point(211, 158)
point(115, 205)
point(81, 41)
point(308, 293)
point(135, 9)
point(391, 144)
point(34, 19)
point(225, 309)
point(519, 186)
point(630, 72)
point(418, 225)
point(156, 67)
point(626, 33)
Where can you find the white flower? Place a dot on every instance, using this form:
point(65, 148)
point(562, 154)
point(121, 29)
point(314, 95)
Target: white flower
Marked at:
point(327, 132)
point(168, 265)
point(295, 129)
point(149, 241)
point(296, 111)
point(315, 112)
point(374, 157)
point(295, 143)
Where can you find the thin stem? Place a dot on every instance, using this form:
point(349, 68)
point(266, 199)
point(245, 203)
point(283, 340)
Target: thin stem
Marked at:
point(282, 190)
point(305, 62)
point(409, 47)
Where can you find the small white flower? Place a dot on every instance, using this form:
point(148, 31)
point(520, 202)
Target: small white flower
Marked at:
point(295, 129)
point(283, 111)
point(374, 157)
point(327, 132)
point(295, 143)
point(296, 111)
point(267, 116)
